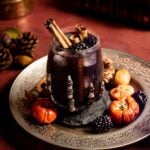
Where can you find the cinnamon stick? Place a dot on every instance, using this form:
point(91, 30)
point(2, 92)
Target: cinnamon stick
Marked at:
point(57, 32)
point(61, 33)
point(82, 31)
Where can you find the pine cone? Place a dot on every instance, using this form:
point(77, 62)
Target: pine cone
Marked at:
point(7, 35)
point(5, 57)
point(25, 44)
point(5, 39)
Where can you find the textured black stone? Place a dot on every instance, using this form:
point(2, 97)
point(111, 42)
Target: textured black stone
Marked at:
point(89, 114)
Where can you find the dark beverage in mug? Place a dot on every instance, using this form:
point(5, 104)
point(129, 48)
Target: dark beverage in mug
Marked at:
point(81, 62)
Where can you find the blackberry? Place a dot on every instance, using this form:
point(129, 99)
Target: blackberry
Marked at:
point(91, 40)
point(102, 124)
point(109, 85)
point(140, 98)
point(79, 46)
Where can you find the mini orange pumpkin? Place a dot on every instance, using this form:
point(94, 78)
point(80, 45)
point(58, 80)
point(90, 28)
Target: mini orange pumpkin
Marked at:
point(121, 91)
point(43, 111)
point(124, 111)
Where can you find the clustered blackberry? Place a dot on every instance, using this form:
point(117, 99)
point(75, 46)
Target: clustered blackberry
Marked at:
point(140, 98)
point(91, 40)
point(79, 46)
point(102, 124)
point(85, 44)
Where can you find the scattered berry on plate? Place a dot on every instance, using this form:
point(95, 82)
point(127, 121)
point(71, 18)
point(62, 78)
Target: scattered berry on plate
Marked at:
point(102, 124)
point(141, 98)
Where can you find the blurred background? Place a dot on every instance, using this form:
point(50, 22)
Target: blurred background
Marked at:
point(135, 12)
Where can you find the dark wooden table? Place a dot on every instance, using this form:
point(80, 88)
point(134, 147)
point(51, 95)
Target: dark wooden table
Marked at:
point(114, 35)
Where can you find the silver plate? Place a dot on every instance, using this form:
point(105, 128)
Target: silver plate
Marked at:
point(79, 138)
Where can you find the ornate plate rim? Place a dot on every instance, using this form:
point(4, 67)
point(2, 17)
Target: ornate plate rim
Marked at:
point(60, 132)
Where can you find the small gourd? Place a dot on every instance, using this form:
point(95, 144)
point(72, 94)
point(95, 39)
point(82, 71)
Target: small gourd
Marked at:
point(44, 111)
point(124, 111)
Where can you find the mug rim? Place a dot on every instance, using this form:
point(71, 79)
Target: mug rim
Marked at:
point(54, 42)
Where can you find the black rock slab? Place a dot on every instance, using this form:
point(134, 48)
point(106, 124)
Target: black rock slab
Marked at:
point(89, 114)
